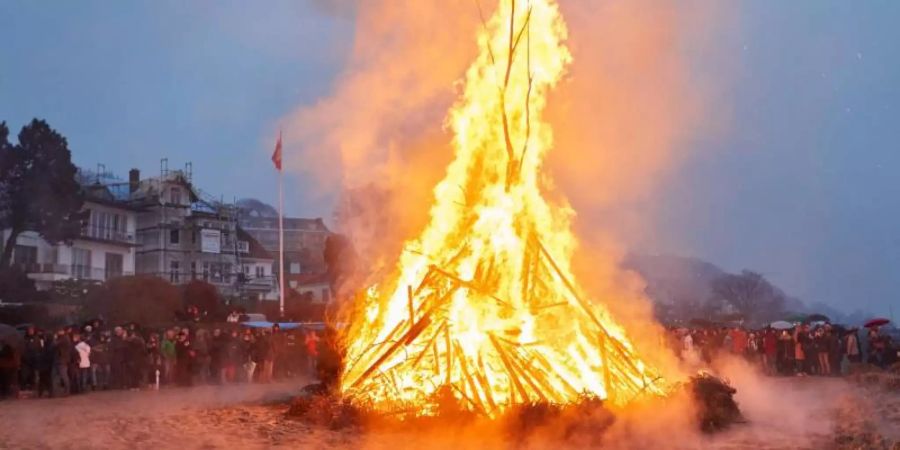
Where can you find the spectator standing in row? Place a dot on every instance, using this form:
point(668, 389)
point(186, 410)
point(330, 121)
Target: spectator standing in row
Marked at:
point(100, 362)
point(83, 354)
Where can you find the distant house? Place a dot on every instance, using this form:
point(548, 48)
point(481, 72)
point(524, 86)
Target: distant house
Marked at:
point(257, 277)
point(316, 286)
point(186, 235)
point(105, 249)
point(304, 239)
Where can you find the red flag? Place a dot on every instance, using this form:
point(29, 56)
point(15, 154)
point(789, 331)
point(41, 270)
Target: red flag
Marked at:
point(276, 157)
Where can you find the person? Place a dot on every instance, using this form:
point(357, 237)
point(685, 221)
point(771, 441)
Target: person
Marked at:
point(801, 343)
point(167, 351)
point(231, 357)
point(247, 356)
point(46, 365)
point(83, 351)
point(201, 358)
point(262, 356)
point(312, 351)
point(31, 359)
point(154, 359)
point(852, 347)
point(100, 362)
point(739, 341)
point(217, 355)
point(183, 359)
point(876, 348)
point(279, 347)
point(118, 346)
point(233, 317)
point(822, 346)
point(61, 361)
point(770, 351)
point(136, 359)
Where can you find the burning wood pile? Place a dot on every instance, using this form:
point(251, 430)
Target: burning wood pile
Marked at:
point(483, 306)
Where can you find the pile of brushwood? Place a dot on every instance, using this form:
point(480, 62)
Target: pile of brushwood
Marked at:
point(716, 408)
point(586, 419)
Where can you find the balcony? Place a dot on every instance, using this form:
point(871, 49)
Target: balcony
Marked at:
point(53, 271)
point(107, 234)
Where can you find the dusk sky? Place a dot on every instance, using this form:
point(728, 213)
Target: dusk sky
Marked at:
point(801, 186)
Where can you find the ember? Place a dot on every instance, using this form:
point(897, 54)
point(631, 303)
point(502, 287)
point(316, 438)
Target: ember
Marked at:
point(483, 303)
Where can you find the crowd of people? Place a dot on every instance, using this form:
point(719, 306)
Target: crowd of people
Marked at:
point(91, 357)
point(806, 349)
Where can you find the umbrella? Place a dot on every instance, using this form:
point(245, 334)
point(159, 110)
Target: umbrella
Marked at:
point(876, 322)
point(796, 317)
point(11, 337)
point(817, 318)
point(781, 325)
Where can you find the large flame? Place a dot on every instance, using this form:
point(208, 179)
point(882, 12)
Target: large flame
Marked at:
point(483, 305)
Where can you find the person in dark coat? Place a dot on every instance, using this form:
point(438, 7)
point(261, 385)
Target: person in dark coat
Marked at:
point(46, 363)
point(262, 356)
point(31, 359)
point(184, 356)
point(118, 359)
point(136, 359)
point(100, 366)
point(61, 363)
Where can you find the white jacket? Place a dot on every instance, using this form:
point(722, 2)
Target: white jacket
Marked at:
point(84, 351)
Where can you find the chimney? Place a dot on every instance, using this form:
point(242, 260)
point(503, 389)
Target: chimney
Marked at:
point(134, 179)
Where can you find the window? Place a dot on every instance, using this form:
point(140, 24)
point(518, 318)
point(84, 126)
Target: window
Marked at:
point(24, 255)
point(174, 236)
point(295, 267)
point(113, 265)
point(326, 295)
point(174, 276)
point(193, 270)
point(81, 263)
point(175, 196)
point(206, 271)
point(260, 271)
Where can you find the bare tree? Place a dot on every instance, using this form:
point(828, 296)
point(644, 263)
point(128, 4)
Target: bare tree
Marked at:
point(749, 294)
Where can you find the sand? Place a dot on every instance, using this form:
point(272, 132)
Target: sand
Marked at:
point(791, 413)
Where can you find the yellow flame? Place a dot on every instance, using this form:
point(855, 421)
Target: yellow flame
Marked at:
point(482, 303)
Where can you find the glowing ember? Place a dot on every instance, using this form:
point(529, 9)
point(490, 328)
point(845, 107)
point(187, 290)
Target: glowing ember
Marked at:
point(483, 304)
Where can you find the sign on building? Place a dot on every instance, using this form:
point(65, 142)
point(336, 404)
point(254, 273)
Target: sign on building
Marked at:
point(210, 241)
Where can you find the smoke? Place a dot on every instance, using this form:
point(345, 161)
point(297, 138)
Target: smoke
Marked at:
point(379, 135)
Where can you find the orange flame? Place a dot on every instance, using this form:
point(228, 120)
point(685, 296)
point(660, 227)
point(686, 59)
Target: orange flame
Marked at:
point(483, 304)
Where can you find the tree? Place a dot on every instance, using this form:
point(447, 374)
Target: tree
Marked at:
point(201, 294)
point(750, 294)
point(15, 287)
point(39, 189)
point(141, 298)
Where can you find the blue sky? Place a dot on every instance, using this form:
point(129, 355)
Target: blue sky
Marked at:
point(802, 186)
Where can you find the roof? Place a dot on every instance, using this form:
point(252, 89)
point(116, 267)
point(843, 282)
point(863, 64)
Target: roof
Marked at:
point(290, 223)
point(256, 249)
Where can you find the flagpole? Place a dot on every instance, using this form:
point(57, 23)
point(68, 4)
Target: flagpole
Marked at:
point(281, 274)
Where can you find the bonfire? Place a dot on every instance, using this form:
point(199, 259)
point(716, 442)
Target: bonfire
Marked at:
point(483, 305)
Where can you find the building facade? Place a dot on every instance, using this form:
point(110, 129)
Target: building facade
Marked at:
point(184, 236)
point(106, 248)
point(304, 247)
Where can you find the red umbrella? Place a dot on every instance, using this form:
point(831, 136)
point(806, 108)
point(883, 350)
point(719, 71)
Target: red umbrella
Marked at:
point(877, 322)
